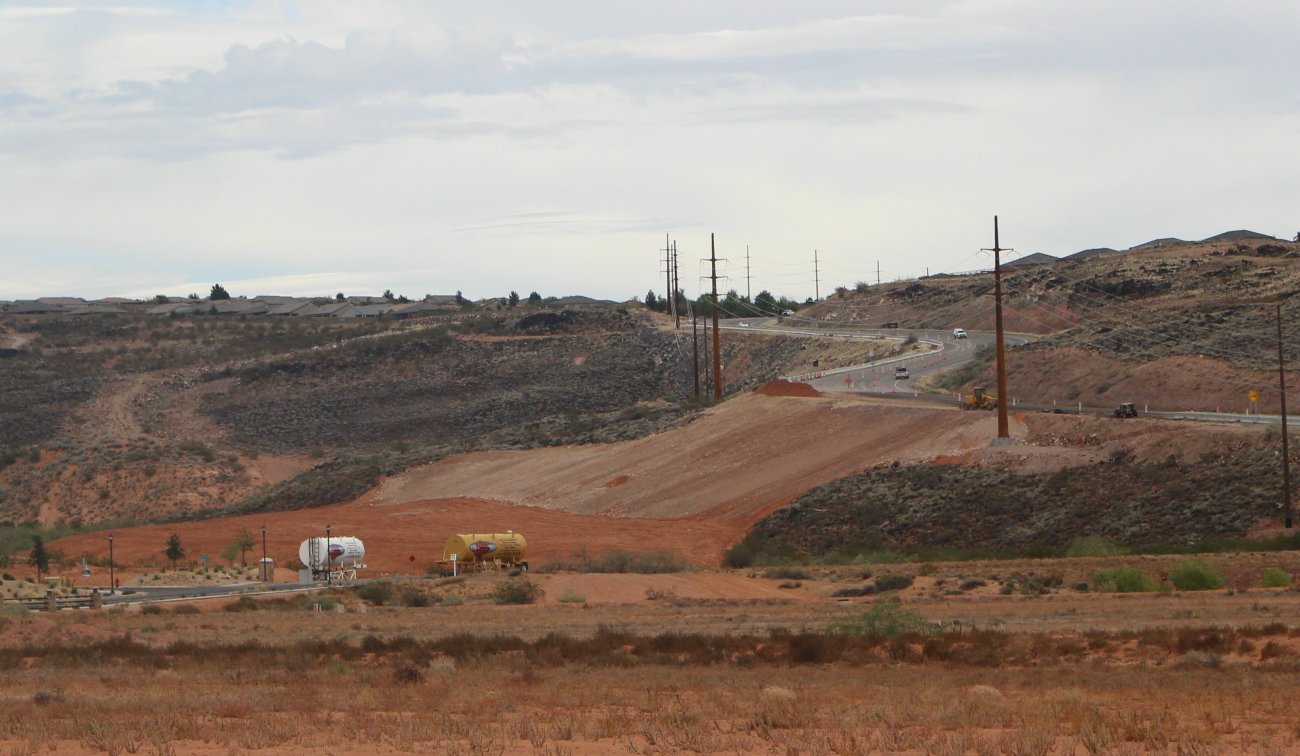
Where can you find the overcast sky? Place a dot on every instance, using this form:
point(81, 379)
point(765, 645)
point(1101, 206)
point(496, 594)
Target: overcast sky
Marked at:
point(311, 147)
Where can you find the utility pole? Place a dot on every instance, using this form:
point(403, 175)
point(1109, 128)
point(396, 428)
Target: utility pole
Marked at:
point(1286, 453)
point(677, 310)
point(695, 352)
point(749, 294)
point(717, 339)
point(1004, 435)
point(877, 272)
point(817, 281)
point(668, 274)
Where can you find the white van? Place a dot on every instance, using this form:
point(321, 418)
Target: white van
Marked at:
point(958, 333)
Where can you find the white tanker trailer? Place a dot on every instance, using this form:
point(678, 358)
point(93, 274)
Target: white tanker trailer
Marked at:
point(333, 558)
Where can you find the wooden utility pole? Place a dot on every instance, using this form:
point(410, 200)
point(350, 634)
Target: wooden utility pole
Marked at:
point(817, 280)
point(677, 285)
point(1286, 453)
point(877, 272)
point(717, 339)
point(1003, 431)
point(749, 293)
point(695, 352)
point(668, 274)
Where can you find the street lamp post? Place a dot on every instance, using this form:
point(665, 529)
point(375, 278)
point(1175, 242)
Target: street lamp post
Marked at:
point(327, 555)
point(264, 577)
point(112, 583)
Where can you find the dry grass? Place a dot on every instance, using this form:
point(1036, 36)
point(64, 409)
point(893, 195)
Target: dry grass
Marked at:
point(413, 680)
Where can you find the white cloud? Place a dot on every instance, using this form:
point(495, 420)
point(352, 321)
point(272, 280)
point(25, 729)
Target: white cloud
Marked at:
point(430, 147)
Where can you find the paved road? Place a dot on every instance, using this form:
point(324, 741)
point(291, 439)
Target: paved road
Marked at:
point(878, 377)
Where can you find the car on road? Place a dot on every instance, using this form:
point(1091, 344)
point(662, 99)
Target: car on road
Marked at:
point(901, 373)
point(787, 312)
point(744, 324)
point(959, 333)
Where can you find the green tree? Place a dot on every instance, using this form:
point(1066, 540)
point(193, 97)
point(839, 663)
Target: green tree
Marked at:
point(218, 292)
point(460, 298)
point(339, 297)
point(160, 299)
point(388, 294)
point(230, 552)
point(514, 299)
point(767, 303)
point(534, 298)
point(174, 551)
point(244, 541)
point(652, 301)
point(40, 556)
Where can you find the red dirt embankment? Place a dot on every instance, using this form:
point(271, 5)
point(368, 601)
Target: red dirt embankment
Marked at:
point(696, 489)
point(782, 387)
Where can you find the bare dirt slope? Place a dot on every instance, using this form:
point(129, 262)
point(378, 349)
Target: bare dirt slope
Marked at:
point(738, 461)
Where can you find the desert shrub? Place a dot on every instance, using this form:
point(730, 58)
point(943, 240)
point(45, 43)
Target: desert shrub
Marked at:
point(185, 609)
point(1275, 578)
point(619, 561)
point(452, 599)
point(378, 593)
point(885, 619)
point(570, 596)
point(1195, 575)
point(1123, 580)
point(517, 590)
point(151, 609)
point(326, 603)
point(739, 556)
point(786, 573)
point(415, 599)
point(894, 582)
point(971, 584)
point(243, 604)
point(660, 594)
point(1093, 546)
point(407, 672)
point(865, 590)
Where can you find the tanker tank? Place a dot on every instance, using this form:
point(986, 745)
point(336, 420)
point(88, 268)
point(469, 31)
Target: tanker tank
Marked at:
point(334, 554)
point(496, 549)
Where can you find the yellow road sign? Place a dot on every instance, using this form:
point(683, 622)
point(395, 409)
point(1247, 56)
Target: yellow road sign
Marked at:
point(1254, 395)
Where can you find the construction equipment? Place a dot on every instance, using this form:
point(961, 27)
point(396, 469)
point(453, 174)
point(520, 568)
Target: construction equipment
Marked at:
point(980, 400)
point(1127, 409)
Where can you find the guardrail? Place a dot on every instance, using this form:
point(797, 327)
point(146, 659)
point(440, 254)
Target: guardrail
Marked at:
point(52, 603)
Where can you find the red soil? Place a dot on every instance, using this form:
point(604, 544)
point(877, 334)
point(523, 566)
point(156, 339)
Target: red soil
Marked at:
point(782, 387)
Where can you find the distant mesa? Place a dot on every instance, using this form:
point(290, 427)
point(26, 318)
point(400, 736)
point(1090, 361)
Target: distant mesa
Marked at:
point(1168, 241)
point(1030, 261)
point(1086, 253)
point(1240, 235)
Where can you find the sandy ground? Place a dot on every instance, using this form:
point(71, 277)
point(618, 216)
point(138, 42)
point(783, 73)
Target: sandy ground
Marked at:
point(695, 490)
point(739, 461)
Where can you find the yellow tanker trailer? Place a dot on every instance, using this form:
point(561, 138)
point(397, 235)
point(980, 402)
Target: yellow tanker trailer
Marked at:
point(486, 550)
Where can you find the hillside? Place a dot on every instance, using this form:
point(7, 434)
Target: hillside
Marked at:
point(139, 418)
point(1181, 326)
point(588, 413)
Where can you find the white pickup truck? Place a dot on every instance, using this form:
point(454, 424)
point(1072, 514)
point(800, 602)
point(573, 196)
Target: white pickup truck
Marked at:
point(959, 333)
